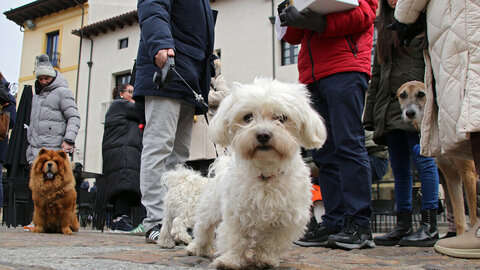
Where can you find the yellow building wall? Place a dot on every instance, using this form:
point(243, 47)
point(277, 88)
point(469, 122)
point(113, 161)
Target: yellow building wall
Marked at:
point(34, 43)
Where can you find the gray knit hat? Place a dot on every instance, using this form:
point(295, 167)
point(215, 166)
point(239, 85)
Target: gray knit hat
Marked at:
point(43, 66)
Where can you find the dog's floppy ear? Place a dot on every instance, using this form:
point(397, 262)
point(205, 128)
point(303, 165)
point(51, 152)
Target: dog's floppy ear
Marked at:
point(313, 132)
point(218, 129)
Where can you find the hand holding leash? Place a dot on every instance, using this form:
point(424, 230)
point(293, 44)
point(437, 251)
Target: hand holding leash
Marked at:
point(165, 76)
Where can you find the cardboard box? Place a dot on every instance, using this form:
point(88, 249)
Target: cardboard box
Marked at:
point(325, 6)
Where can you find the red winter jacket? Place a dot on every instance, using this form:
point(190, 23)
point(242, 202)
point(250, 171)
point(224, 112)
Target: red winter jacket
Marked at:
point(344, 46)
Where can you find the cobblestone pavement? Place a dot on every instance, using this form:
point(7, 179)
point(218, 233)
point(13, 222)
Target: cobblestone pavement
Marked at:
point(90, 249)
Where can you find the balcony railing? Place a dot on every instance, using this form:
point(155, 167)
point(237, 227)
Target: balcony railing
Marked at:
point(54, 58)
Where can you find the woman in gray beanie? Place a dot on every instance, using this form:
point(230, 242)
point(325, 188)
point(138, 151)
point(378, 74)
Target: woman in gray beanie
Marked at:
point(54, 119)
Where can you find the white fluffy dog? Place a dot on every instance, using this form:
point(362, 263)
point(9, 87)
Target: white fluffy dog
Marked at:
point(259, 201)
point(184, 188)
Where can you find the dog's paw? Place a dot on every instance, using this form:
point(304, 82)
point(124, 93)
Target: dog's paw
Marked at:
point(229, 262)
point(194, 250)
point(37, 229)
point(182, 238)
point(67, 231)
point(166, 243)
point(75, 226)
point(265, 263)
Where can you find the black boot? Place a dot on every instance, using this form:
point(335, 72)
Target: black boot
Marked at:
point(427, 234)
point(402, 229)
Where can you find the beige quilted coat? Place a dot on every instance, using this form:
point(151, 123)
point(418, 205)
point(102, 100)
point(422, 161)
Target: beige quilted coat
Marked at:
point(453, 30)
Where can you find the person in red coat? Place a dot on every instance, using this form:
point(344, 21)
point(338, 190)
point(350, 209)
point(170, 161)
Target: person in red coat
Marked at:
point(334, 61)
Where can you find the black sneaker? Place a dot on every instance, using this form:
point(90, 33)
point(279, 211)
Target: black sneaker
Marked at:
point(315, 236)
point(152, 235)
point(352, 236)
point(121, 224)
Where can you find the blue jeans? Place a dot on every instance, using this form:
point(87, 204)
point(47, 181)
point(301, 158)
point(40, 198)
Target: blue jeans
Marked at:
point(400, 144)
point(344, 166)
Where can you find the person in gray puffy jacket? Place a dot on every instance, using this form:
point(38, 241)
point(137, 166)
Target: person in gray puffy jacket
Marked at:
point(54, 119)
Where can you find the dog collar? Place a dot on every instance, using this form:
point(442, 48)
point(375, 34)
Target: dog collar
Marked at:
point(264, 178)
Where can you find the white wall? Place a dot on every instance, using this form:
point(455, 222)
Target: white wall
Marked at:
point(108, 61)
point(243, 32)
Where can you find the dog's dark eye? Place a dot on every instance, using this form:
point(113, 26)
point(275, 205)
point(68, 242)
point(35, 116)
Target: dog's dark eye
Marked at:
point(420, 94)
point(403, 95)
point(248, 118)
point(281, 118)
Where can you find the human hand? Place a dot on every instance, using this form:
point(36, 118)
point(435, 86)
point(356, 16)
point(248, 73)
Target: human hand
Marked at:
point(416, 149)
point(306, 18)
point(407, 32)
point(67, 147)
point(162, 55)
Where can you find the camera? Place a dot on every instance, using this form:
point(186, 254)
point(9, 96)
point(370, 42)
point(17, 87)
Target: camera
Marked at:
point(165, 75)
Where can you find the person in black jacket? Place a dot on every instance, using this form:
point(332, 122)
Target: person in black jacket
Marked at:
point(121, 149)
point(183, 30)
point(7, 100)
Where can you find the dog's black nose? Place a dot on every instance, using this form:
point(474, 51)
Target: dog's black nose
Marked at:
point(263, 137)
point(410, 113)
point(49, 165)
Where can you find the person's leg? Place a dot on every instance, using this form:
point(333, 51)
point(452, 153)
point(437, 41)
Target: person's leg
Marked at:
point(427, 172)
point(161, 115)
point(400, 162)
point(183, 136)
point(427, 234)
point(345, 96)
point(121, 205)
point(328, 168)
point(328, 179)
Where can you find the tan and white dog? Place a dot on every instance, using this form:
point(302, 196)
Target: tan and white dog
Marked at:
point(412, 98)
point(259, 200)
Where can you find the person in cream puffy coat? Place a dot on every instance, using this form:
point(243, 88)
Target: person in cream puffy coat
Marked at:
point(451, 124)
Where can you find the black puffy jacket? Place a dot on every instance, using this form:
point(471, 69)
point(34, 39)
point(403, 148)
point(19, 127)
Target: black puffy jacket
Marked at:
point(121, 149)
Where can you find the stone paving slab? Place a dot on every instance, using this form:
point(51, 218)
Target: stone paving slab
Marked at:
point(89, 249)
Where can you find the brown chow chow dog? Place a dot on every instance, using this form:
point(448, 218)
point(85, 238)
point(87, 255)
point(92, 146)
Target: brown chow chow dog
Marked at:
point(53, 193)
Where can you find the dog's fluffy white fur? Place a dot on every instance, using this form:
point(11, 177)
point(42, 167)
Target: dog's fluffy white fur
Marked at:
point(259, 200)
point(184, 188)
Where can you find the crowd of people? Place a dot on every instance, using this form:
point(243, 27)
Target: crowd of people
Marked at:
point(335, 64)
point(337, 46)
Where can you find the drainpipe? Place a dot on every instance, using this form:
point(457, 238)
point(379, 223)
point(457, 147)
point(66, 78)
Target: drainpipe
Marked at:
point(89, 63)
point(79, 49)
point(272, 21)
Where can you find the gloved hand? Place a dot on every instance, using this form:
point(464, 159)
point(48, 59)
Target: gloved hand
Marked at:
point(305, 19)
point(407, 32)
point(416, 149)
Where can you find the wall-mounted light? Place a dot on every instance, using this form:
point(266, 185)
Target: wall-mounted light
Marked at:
point(30, 24)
